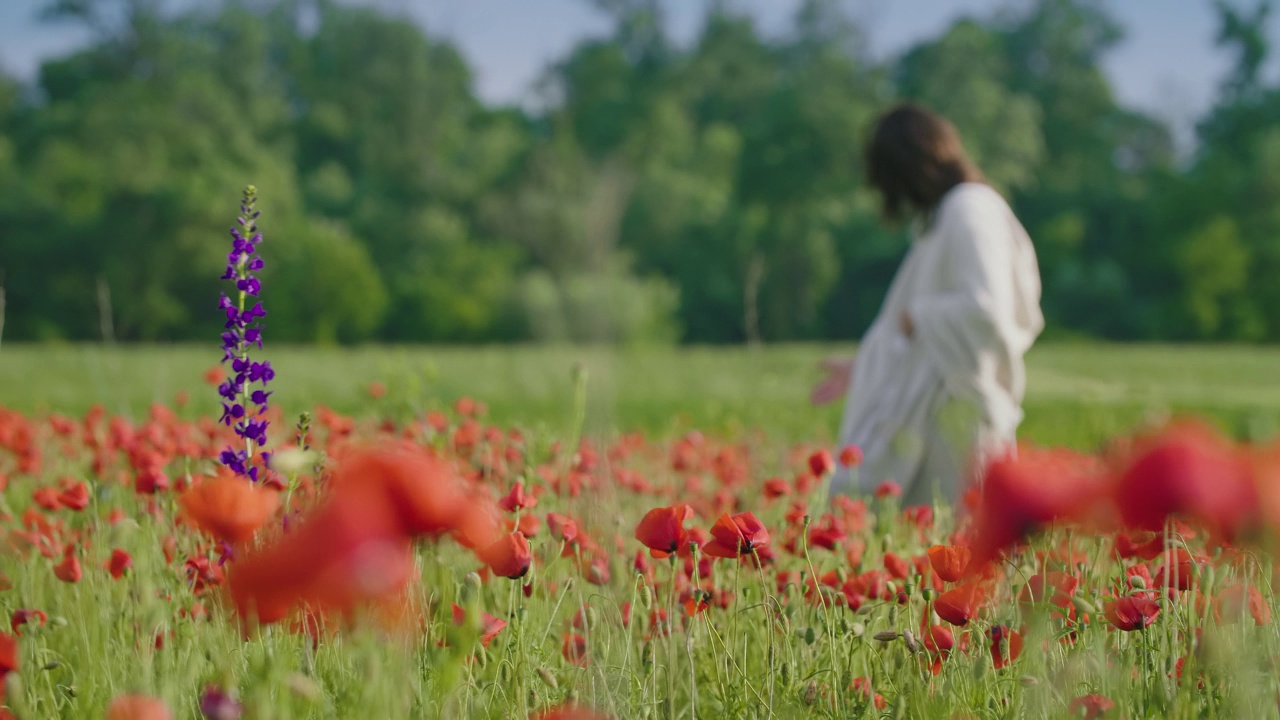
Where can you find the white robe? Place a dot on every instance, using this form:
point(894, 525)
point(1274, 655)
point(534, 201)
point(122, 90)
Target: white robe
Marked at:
point(924, 409)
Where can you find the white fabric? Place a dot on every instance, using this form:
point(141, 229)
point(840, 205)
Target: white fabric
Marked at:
point(921, 408)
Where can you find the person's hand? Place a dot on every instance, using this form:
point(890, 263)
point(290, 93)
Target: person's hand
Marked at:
point(907, 326)
point(836, 383)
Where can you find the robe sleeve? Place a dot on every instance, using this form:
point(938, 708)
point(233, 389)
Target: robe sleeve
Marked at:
point(964, 326)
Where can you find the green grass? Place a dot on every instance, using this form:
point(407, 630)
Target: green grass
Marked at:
point(1078, 395)
point(769, 654)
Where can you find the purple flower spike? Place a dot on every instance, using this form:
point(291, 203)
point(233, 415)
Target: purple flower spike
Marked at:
point(242, 406)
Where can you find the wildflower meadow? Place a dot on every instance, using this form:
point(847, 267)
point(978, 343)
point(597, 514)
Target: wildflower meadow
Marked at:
point(242, 553)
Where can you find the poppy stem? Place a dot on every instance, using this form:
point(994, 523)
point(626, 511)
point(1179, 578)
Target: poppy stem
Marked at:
point(769, 619)
point(671, 632)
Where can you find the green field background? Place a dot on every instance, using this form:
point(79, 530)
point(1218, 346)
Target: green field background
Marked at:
point(1078, 395)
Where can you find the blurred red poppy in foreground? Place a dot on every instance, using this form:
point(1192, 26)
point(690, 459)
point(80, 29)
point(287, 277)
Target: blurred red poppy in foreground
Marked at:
point(355, 547)
point(1090, 706)
point(1021, 494)
point(138, 707)
point(569, 712)
point(1187, 469)
point(229, 507)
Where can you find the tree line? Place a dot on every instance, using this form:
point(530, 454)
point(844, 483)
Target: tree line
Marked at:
point(705, 192)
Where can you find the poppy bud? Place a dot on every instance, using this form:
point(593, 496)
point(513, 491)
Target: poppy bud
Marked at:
point(548, 678)
point(52, 665)
point(858, 629)
point(885, 636)
point(910, 641)
point(646, 656)
point(809, 636)
point(646, 597)
point(1028, 681)
point(593, 618)
point(1207, 576)
point(1137, 583)
point(472, 582)
point(482, 657)
point(1084, 606)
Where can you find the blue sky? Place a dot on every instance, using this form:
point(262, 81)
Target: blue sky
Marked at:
point(1167, 64)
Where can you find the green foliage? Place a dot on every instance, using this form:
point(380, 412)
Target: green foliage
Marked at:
point(707, 193)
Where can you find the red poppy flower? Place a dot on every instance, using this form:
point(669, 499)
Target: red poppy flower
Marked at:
point(1090, 706)
point(863, 686)
point(348, 551)
point(1187, 469)
point(569, 712)
point(574, 649)
point(1135, 612)
point(68, 570)
point(490, 626)
point(214, 375)
point(1006, 645)
point(821, 464)
point(509, 557)
point(119, 562)
point(735, 536)
point(851, 456)
point(888, 489)
point(1234, 599)
point(1144, 544)
point(22, 617)
point(949, 561)
point(75, 496)
point(1055, 587)
point(898, 568)
point(228, 507)
point(662, 530)
point(697, 602)
point(425, 494)
point(138, 707)
point(562, 527)
point(960, 604)
point(47, 498)
point(8, 654)
point(1021, 493)
point(517, 499)
point(776, 487)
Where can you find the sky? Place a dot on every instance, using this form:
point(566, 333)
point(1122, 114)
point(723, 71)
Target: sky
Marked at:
point(1167, 64)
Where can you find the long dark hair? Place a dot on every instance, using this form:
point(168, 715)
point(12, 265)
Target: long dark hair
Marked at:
point(913, 159)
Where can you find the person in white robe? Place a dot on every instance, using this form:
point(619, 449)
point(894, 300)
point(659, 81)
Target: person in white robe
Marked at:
point(938, 381)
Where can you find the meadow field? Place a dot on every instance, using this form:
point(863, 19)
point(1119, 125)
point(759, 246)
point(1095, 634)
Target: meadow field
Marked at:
point(1079, 395)
point(570, 534)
